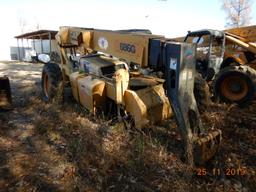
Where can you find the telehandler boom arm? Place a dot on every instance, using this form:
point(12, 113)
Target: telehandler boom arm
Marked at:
point(248, 33)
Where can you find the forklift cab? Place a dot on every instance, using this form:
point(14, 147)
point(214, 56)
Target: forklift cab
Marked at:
point(210, 47)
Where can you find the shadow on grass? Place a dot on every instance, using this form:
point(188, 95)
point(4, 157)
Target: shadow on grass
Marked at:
point(64, 148)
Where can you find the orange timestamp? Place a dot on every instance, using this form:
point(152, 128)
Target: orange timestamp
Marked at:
point(218, 171)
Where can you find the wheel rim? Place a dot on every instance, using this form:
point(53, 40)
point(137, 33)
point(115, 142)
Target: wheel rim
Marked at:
point(234, 88)
point(46, 85)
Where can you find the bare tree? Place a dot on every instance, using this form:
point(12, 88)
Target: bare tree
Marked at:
point(37, 25)
point(22, 24)
point(238, 12)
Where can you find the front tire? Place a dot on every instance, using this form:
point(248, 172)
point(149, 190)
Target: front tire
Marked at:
point(235, 84)
point(51, 82)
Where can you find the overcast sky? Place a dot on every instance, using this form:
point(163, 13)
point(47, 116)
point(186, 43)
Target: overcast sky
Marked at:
point(171, 18)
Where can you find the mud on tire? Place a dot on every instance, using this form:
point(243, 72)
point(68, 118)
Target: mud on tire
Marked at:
point(235, 84)
point(51, 82)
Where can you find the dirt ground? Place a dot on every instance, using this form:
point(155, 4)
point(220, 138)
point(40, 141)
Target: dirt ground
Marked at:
point(52, 147)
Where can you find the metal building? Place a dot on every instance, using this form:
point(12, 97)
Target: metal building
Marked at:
point(41, 42)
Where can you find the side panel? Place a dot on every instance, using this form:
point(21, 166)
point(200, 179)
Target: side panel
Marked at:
point(74, 84)
point(115, 90)
point(155, 54)
point(201, 144)
point(132, 48)
point(148, 105)
point(71, 36)
point(180, 72)
point(92, 92)
point(135, 106)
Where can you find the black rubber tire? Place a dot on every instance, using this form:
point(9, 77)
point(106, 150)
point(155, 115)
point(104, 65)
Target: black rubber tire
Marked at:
point(202, 93)
point(246, 73)
point(52, 72)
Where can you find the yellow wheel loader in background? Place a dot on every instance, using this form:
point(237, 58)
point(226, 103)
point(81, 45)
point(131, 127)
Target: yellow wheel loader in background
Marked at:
point(135, 75)
point(229, 58)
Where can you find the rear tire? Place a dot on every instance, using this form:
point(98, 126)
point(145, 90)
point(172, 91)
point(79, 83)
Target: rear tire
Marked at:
point(202, 93)
point(235, 84)
point(51, 82)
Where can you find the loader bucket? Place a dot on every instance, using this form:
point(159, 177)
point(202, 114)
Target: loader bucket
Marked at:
point(5, 93)
point(206, 146)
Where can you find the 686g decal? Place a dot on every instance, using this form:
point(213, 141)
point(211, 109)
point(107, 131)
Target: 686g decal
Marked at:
point(127, 47)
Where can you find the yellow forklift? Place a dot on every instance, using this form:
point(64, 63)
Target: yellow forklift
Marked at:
point(135, 75)
point(228, 58)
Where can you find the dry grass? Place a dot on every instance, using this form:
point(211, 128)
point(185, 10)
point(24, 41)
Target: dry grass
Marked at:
point(52, 147)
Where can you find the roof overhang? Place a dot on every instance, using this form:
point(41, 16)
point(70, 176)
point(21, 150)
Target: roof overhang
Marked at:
point(40, 34)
